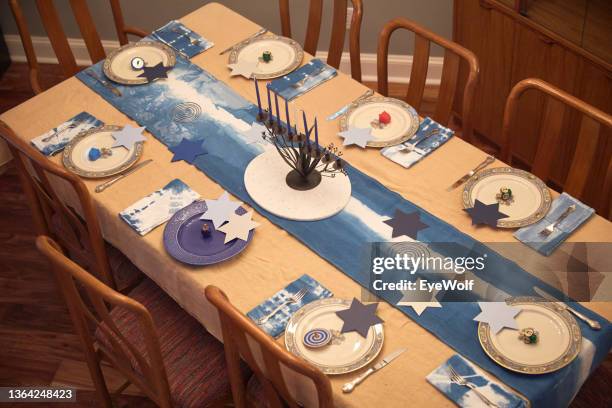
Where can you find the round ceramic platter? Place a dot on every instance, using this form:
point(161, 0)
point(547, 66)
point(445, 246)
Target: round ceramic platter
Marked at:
point(76, 153)
point(287, 55)
point(339, 357)
point(184, 241)
point(404, 120)
point(531, 198)
point(558, 342)
point(264, 180)
point(117, 66)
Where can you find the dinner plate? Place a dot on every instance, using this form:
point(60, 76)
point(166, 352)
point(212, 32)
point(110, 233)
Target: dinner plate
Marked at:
point(404, 120)
point(531, 198)
point(184, 241)
point(344, 355)
point(287, 55)
point(118, 68)
point(76, 153)
point(559, 338)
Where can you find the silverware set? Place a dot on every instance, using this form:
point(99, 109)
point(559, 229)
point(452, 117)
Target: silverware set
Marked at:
point(550, 228)
point(250, 38)
point(350, 386)
point(466, 177)
point(104, 82)
point(59, 132)
point(343, 109)
point(308, 76)
point(192, 40)
point(459, 380)
point(295, 298)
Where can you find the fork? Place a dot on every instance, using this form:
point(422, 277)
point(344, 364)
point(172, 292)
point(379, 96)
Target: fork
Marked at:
point(295, 298)
point(459, 380)
point(314, 73)
point(550, 228)
point(59, 132)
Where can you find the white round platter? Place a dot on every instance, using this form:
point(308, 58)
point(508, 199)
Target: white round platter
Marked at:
point(117, 66)
point(287, 55)
point(349, 353)
point(264, 180)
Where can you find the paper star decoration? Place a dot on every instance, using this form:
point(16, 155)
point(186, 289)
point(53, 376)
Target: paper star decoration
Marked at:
point(359, 317)
point(254, 134)
point(412, 299)
point(128, 136)
point(154, 72)
point(356, 136)
point(220, 210)
point(482, 213)
point(187, 150)
point(498, 315)
point(243, 67)
point(238, 226)
point(408, 224)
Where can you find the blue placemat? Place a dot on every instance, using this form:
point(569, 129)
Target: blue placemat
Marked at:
point(57, 138)
point(341, 239)
point(307, 77)
point(277, 323)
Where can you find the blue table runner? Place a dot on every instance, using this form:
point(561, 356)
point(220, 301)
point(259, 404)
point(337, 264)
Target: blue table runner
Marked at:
point(225, 114)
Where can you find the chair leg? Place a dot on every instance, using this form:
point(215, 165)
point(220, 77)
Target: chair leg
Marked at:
point(98, 379)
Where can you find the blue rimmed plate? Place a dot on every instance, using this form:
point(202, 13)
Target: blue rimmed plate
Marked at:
point(184, 241)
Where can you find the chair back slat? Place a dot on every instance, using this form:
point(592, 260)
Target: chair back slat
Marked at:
point(57, 36)
point(448, 87)
point(455, 54)
point(150, 375)
point(237, 329)
point(595, 126)
point(338, 31)
point(79, 234)
point(88, 30)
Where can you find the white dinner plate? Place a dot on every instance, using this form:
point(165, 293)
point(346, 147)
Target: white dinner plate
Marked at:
point(531, 198)
point(343, 355)
point(118, 65)
point(558, 344)
point(404, 120)
point(287, 55)
point(76, 153)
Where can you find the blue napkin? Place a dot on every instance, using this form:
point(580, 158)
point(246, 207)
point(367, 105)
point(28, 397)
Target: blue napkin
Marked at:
point(181, 38)
point(57, 138)
point(420, 145)
point(284, 86)
point(545, 245)
point(277, 323)
point(463, 396)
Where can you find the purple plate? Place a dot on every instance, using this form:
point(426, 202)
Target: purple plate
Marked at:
point(184, 241)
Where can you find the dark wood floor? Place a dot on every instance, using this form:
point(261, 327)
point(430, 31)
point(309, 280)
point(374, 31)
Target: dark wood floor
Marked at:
point(37, 343)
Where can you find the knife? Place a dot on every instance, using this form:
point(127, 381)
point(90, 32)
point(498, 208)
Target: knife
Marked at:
point(103, 82)
point(252, 37)
point(101, 187)
point(350, 386)
point(343, 109)
point(466, 177)
point(592, 323)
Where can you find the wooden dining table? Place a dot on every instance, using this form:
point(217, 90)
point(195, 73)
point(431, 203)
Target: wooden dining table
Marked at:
point(274, 258)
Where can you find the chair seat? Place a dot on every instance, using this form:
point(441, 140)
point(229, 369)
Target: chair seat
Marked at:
point(194, 360)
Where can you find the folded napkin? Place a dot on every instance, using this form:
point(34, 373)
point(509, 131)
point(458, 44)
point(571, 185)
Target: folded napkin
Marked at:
point(499, 394)
point(57, 138)
point(420, 145)
point(316, 72)
point(545, 245)
point(182, 39)
point(157, 208)
point(277, 323)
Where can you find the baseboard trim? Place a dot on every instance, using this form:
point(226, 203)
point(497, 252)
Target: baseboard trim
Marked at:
point(399, 65)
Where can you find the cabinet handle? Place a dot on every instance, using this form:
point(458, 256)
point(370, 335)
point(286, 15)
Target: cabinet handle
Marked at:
point(485, 5)
point(547, 41)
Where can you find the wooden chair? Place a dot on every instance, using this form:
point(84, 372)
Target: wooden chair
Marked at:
point(269, 361)
point(336, 44)
point(57, 36)
point(147, 337)
point(453, 55)
point(78, 232)
point(594, 123)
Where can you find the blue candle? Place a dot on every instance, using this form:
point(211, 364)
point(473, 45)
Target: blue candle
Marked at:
point(277, 111)
point(258, 98)
point(316, 126)
point(306, 131)
point(269, 102)
point(287, 114)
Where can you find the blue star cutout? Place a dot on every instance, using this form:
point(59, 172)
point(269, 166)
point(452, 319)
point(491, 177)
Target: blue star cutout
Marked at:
point(187, 150)
point(356, 136)
point(128, 136)
point(155, 72)
point(408, 224)
point(498, 315)
point(483, 213)
point(359, 317)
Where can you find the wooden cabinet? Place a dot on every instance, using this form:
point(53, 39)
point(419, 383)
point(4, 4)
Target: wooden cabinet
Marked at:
point(511, 47)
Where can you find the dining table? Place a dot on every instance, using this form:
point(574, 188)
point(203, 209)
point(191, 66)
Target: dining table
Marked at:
point(275, 258)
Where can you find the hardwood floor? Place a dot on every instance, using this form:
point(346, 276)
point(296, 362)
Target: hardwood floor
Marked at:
point(37, 343)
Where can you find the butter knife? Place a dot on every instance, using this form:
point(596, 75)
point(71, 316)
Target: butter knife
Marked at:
point(343, 109)
point(101, 187)
point(592, 323)
point(466, 177)
point(350, 386)
point(104, 82)
point(257, 34)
